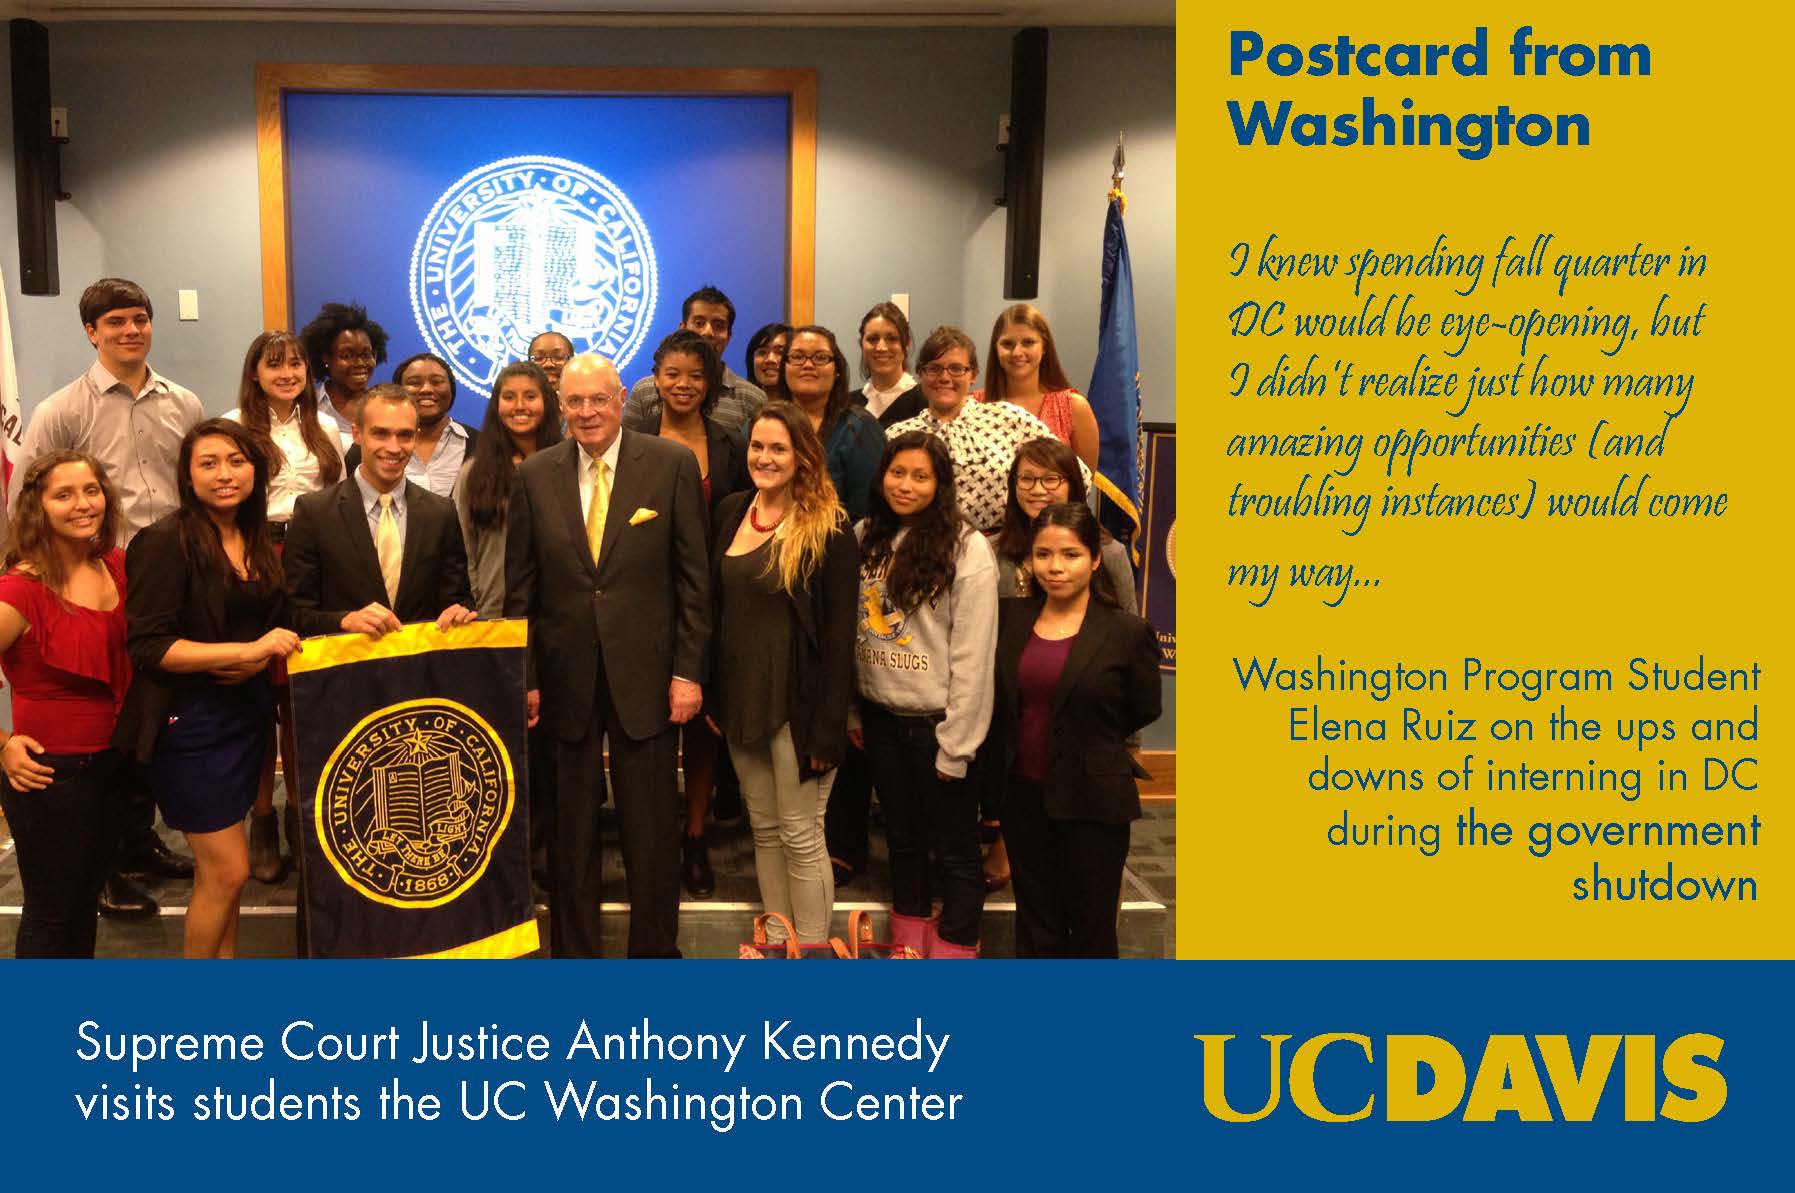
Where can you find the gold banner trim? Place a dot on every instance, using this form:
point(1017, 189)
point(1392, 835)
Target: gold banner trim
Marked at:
point(512, 942)
point(334, 650)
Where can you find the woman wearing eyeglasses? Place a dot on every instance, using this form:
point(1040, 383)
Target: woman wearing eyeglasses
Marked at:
point(981, 437)
point(1046, 473)
point(815, 376)
point(550, 351)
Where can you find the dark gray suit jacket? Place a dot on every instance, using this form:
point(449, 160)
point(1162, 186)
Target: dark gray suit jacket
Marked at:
point(332, 568)
point(646, 604)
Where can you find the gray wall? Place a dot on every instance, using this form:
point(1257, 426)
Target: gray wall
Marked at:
point(162, 167)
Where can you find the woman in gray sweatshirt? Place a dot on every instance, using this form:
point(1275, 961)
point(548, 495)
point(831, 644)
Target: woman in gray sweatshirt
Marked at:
point(923, 667)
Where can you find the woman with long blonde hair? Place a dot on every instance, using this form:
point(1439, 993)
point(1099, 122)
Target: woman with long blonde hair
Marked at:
point(785, 571)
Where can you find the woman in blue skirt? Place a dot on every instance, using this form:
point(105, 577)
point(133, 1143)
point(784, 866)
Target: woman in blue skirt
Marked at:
point(203, 606)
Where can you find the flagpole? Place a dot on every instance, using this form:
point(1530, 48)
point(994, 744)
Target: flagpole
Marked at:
point(1114, 394)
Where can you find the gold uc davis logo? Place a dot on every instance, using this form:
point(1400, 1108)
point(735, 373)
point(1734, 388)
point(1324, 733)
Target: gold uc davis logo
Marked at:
point(413, 801)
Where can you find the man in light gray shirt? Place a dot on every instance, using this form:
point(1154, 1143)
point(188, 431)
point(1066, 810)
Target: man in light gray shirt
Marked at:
point(708, 312)
point(120, 411)
point(131, 419)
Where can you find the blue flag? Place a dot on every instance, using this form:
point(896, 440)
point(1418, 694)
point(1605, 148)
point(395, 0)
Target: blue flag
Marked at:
point(1115, 393)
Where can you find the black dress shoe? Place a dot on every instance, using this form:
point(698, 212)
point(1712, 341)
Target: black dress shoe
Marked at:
point(152, 859)
point(701, 883)
point(123, 900)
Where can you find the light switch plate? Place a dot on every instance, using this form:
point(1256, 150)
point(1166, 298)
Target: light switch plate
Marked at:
point(189, 305)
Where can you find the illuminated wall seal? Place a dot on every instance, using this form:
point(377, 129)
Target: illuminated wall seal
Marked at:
point(524, 245)
point(413, 800)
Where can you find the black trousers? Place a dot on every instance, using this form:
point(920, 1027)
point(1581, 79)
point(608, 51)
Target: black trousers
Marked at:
point(544, 753)
point(137, 814)
point(850, 802)
point(925, 814)
point(642, 776)
point(1067, 875)
point(67, 838)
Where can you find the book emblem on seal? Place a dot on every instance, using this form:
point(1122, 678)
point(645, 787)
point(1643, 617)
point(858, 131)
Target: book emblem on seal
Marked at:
point(412, 802)
point(525, 245)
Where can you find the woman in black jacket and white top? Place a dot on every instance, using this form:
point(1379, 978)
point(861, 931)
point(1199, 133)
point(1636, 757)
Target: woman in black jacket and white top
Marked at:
point(785, 572)
point(1076, 675)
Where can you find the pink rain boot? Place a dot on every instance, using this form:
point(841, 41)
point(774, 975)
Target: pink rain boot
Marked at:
point(912, 932)
point(947, 950)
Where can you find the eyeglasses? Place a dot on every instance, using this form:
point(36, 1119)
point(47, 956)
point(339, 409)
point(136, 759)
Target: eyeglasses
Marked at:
point(956, 371)
point(355, 355)
point(819, 359)
point(549, 358)
point(1051, 480)
point(598, 402)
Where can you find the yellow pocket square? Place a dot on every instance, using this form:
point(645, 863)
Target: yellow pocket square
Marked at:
point(642, 515)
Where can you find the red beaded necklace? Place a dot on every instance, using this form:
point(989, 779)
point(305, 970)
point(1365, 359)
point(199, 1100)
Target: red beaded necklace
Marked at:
point(755, 522)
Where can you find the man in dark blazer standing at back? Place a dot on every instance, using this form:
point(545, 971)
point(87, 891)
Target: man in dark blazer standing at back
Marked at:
point(375, 551)
point(605, 553)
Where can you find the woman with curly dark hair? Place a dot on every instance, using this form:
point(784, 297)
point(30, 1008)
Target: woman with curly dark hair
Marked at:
point(203, 608)
point(343, 345)
point(62, 643)
point(928, 624)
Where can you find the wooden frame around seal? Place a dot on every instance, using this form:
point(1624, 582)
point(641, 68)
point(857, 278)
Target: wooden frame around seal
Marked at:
point(275, 79)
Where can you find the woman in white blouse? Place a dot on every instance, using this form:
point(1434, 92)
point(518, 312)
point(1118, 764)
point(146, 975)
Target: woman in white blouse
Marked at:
point(276, 400)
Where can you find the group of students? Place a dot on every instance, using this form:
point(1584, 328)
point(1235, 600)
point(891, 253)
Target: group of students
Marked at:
point(862, 542)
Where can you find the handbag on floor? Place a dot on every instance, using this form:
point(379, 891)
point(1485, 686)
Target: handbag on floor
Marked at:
point(860, 945)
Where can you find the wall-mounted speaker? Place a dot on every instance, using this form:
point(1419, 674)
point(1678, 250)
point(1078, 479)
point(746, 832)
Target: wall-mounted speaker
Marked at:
point(36, 158)
point(1024, 159)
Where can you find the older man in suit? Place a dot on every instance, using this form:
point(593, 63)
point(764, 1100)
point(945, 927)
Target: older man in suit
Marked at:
point(605, 553)
point(375, 551)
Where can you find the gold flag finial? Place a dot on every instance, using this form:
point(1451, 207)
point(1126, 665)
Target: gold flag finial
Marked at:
point(1115, 175)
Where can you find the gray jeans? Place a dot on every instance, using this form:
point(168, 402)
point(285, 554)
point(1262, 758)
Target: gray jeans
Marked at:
point(791, 857)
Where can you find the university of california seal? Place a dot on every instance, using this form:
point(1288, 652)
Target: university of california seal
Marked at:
point(413, 800)
point(530, 244)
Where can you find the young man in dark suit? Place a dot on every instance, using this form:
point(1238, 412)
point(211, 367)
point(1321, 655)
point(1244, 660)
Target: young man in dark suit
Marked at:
point(375, 551)
point(605, 553)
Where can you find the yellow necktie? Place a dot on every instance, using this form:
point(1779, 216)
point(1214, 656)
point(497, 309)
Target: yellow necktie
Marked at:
point(389, 547)
point(601, 505)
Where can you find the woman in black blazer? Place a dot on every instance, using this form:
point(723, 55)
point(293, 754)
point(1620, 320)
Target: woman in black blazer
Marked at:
point(688, 374)
point(1075, 676)
point(203, 606)
point(785, 574)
